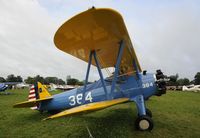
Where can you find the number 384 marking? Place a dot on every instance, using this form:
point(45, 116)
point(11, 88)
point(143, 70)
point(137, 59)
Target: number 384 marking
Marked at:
point(78, 98)
point(147, 85)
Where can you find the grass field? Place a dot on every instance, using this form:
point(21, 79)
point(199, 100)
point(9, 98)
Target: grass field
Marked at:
point(176, 114)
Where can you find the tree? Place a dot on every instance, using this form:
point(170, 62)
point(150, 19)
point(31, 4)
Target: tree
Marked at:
point(19, 79)
point(173, 80)
point(80, 83)
point(191, 82)
point(11, 78)
point(51, 80)
point(2, 79)
point(38, 78)
point(197, 78)
point(61, 82)
point(72, 81)
point(47, 80)
point(29, 80)
point(184, 81)
point(33, 80)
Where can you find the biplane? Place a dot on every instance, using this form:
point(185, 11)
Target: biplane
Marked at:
point(99, 37)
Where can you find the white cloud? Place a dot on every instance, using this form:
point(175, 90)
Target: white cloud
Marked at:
point(165, 35)
point(26, 43)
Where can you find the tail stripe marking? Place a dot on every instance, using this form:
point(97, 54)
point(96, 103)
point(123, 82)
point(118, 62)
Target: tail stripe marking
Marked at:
point(32, 91)
point(32, 96)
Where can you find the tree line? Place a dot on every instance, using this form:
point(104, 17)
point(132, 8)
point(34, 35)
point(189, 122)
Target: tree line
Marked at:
point(11, 78)
point(174, 80)
point(43, 80)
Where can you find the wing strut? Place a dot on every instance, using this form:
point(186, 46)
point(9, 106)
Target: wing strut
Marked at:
point(117, 65)
point(139, 78)
point(119, 57)
point(100, 74)
point(87, 75)
point(93, 53)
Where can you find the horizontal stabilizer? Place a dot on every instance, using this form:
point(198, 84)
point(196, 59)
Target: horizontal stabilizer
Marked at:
point(89, 107)
point(31, 103)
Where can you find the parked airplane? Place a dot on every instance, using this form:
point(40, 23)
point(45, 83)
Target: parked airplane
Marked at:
point(101, 34)
point(3, 87)
point(22, 85)
point(194, 88)
point(61, 87)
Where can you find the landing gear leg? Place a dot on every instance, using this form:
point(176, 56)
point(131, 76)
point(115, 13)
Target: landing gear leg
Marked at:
point(148, 112)
point(144, 121)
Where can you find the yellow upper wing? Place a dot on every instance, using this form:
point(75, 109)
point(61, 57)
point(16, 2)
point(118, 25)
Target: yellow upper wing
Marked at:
point(89, 107)
point(97, 29)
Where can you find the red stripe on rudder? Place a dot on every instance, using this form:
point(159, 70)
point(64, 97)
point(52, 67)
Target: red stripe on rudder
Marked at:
point(32, 97)
point(31, 93)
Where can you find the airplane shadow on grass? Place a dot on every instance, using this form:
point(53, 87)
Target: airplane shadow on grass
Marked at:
point(106, 122)
point(111, 122)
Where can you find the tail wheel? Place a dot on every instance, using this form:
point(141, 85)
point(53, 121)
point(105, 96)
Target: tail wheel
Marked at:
point(144, 123)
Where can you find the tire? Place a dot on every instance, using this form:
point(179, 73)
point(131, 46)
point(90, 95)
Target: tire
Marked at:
point(144, 123)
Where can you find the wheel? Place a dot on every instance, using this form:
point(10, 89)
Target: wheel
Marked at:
point(144, 123)
point(148, 112)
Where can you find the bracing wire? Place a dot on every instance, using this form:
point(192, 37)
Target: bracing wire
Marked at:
point(103, 64)
point(108, 72)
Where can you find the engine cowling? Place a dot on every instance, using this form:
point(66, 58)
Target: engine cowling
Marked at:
point(161, 80)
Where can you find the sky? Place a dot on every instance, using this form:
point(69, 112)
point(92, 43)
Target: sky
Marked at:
point(165, 35)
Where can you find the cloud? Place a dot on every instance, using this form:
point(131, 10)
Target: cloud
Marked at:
point(165, 35)
point(26, 43)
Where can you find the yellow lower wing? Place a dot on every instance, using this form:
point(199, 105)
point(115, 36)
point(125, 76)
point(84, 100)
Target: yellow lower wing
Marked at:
point(88, 107)
point(31, 103)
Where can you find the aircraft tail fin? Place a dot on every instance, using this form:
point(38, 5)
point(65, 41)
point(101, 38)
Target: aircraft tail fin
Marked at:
point(37, 94)
point(42, 91)
point(33, 96)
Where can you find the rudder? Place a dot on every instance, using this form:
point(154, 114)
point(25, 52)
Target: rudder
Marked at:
point(42, 91)
point(37, 91)
point(33, 95)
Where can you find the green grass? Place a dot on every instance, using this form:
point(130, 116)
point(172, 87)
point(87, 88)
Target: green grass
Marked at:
point(176, 114)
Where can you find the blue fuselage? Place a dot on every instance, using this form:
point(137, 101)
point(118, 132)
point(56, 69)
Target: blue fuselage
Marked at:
point(126, 86)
